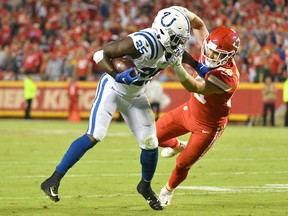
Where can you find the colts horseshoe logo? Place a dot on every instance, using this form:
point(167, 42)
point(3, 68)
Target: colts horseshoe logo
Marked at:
point(168, 24)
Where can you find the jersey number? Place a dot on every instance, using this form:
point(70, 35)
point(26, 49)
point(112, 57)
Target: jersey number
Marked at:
point(140, 47)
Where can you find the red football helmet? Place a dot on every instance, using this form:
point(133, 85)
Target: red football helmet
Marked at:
point(220, 46)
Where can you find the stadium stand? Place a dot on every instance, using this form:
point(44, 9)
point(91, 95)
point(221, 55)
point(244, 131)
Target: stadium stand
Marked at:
point(56, 39)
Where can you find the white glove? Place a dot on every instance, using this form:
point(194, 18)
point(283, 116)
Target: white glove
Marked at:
point(175, 61)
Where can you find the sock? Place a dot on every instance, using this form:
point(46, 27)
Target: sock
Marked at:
point(76, 150)
point(56, 175)
point(148, 159)
point(168, 188)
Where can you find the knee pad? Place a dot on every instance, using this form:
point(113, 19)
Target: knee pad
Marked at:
point(149, 143)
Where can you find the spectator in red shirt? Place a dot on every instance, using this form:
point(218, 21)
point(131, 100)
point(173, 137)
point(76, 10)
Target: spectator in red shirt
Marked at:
point(53, 22)
point(35, 33)
point(83, 65)
point(275, 64)
point(32, 59)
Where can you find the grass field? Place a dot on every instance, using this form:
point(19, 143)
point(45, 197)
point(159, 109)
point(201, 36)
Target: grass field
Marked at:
point(245, 173)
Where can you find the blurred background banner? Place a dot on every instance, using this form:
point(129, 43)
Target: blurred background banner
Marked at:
point(54, 42)
point(52, 99)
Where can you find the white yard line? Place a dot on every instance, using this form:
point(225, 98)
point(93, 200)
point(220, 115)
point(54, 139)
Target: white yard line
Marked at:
point(10, 163)
point(138, 174)
point(278, 188)
point(268, 188)
point(59, 131)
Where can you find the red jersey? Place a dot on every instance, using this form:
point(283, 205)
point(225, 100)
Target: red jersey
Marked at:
point(31, 61)
point(83, 66)
point(212, 110)
point(73, 90)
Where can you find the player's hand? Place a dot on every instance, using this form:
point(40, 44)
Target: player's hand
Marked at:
point(201, 69)
point(126, 78)
point(175, 61)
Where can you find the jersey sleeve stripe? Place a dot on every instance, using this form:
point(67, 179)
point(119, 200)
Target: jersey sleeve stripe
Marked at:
point(219, 83)
point(155, 42)
point(149, 41)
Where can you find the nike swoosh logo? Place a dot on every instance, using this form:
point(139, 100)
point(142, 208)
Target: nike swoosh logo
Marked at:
point(52, 193)
point(124, 80)
point(203, 131)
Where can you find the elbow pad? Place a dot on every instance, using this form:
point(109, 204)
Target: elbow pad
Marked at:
point(98, 56)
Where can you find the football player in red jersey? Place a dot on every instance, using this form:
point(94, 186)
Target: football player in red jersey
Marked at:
point(205, 114)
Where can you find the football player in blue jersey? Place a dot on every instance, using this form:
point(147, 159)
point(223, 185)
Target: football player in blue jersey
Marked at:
point(150, 50)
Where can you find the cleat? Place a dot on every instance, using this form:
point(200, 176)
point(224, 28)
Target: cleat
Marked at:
point(165, 196)
point(171, 152)
point(149, 196)
point(50, 188)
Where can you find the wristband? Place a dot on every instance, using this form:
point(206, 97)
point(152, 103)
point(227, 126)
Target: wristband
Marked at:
point(113, 73)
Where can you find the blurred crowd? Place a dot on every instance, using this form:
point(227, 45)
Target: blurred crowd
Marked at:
point(55, 40)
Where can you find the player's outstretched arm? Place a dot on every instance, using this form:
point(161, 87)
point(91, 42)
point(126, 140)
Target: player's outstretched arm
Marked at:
point(199, 85)
point(200, 68)
point(197, 24)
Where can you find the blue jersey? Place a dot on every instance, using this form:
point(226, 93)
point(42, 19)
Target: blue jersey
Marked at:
point(150, 63)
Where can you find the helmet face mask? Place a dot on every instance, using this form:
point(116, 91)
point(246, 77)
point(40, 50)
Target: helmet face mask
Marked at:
point(173, 30)
point(220, 46)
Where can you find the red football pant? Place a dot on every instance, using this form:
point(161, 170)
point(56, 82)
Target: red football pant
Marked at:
point(179, 122)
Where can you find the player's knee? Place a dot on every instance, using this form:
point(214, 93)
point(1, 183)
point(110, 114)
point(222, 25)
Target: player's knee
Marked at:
point(99, 133)
point(149, 143)
point(182, 164)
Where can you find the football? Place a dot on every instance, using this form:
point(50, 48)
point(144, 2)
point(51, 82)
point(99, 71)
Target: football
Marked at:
point(122, 64)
